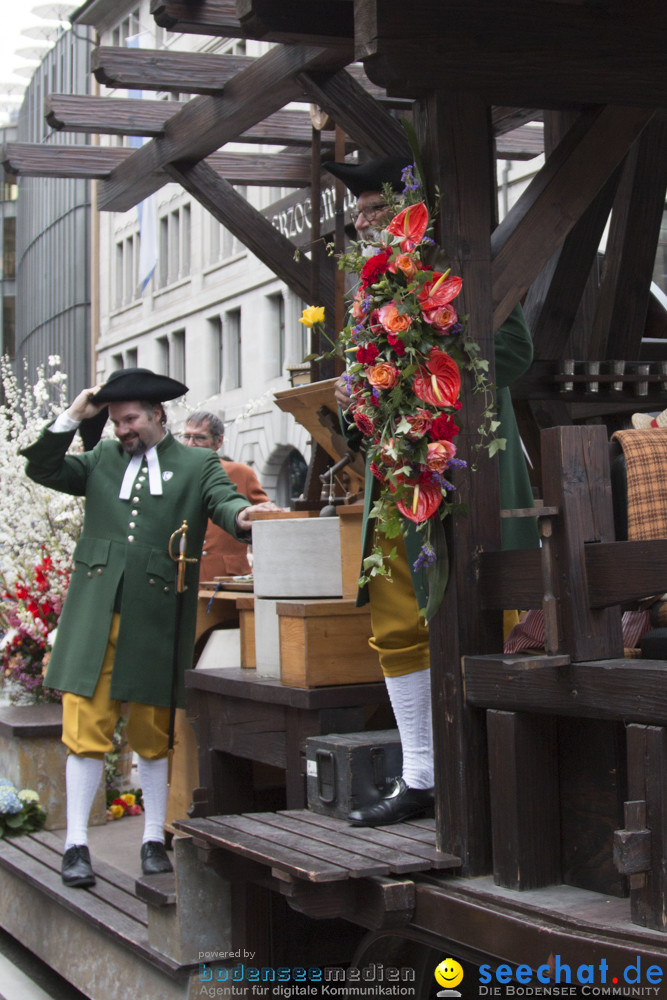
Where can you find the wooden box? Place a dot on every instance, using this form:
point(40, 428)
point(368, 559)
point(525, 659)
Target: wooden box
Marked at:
point(350, 517)
point(297, 557)
point(246, 610)
point(324, 643)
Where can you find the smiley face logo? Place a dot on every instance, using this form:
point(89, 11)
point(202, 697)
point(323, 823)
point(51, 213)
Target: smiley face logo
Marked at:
point(449, 973)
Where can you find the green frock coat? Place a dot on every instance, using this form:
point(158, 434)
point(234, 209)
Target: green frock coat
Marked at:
point(513, 352)
point(128, 540)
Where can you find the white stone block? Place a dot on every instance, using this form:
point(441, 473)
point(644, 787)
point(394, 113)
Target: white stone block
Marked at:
point(267, 638)
point(297, 557)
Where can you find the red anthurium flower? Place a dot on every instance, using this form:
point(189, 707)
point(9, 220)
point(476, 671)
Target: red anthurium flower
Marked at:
point(439, 291)
point(411, 224)
point(439, 381)
point(426, 499)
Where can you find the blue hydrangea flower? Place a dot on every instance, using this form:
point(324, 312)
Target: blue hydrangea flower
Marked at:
point(28, 795)
point(10, 803)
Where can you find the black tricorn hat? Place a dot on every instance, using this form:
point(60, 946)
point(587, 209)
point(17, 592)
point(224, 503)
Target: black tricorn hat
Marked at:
point(138, 383)
point(360, 177)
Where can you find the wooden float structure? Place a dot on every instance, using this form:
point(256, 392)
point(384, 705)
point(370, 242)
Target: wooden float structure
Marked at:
point(521, 814)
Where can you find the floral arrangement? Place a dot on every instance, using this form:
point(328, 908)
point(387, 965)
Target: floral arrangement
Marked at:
point(29, 613)
point(33, 521)
point(405, 347)
point(20, 812)
point(128, 804)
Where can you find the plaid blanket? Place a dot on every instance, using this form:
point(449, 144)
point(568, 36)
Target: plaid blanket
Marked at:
point(645, 454)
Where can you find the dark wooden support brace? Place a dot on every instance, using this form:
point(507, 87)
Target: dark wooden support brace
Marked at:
point(647, 783)
point(523, 771)
point(377, 903)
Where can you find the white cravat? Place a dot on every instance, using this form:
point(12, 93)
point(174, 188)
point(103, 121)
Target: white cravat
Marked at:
point(132, 471)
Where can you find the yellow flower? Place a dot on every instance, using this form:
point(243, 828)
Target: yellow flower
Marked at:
point(312, 315)
point(128, 799)
point(116, 811)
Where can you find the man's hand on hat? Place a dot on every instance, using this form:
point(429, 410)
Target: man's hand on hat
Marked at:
point(82, 408)
point(245, 517)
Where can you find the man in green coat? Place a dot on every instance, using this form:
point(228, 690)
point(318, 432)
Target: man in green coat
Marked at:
point(116, 635)
point(400, 636)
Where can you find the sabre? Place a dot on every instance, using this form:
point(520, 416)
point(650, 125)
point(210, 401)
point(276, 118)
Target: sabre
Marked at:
point(181, 561)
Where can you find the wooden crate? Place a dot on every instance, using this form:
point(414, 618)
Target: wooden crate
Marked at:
point(246, 610)
point(324, 643)
point(350, 517)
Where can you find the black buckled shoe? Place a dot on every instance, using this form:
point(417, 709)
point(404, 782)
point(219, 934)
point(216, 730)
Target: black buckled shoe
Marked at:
point(154, 860)
point(400, 803)
point(76, 869)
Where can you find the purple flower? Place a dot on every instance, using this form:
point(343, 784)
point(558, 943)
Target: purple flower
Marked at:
point(425, 558)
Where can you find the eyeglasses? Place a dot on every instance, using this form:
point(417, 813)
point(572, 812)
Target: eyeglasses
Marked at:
point(370, 213)
point(197, 438)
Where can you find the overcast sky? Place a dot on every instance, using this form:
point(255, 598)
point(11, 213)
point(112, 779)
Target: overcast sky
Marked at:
point(15, 17)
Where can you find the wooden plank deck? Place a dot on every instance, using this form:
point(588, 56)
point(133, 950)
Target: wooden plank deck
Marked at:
point(314, 848)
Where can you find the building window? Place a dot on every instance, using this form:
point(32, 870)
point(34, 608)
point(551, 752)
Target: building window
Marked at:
point(291, 478)
point(276, 348)
point(9, 325)
point(117, 362)
point(131, 358)
point(126, 28)
point(177, 356)
point(127, 260)
point(174, 241)
point(9, 247)
point(163, 355)
point(214, 354)
point(231, 350)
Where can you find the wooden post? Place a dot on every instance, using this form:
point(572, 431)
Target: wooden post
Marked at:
point(647, 780)
point(523, 767)
point(456, 140)
point(575, 472)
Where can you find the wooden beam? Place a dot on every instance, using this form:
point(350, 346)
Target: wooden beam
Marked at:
point(544, 54)
point(300, 22)
point(557, 197)
point(357, 112)
point(97, 162)
point(206, 17)
point(207, 123)
point(161, 69)
point(108, 115)
point(633, 690)
point(620, 318)
point(28, 159)
point(248, 225)
point(128, 116)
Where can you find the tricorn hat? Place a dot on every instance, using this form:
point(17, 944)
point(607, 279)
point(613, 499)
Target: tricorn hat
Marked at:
point(138, 383)
point(642, 421)
point(360, 177)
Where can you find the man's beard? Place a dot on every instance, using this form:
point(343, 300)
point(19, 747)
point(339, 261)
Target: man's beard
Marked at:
point(134, 444)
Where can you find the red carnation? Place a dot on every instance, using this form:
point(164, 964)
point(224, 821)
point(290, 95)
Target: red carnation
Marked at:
point(374, 267)
point(396, 343)
point(367, 353)
point(364, 423)
point(443, 428)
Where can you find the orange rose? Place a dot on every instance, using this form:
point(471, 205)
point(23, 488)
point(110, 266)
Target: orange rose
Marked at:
point(383, 376)
point(406, 264)
point(357, 308)
point(442, 319)
point(392, 321)
point(420, 424)
point(439, 455)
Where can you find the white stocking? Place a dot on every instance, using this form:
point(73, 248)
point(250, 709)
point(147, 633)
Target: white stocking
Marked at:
point(154, 788)
point(82, 778)
point(410, 696)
